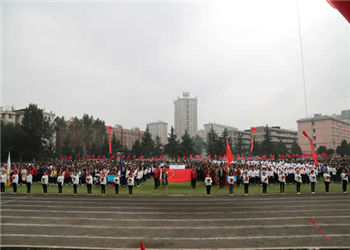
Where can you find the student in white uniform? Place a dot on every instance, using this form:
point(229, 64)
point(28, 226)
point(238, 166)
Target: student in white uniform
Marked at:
point(29, 181)
point(14, 180)
point(231, 181)
point(246, 180)
point(44, 182)
point(116, 181)
point(313, 180)
point(282, 180)
point(264, 180)
point(60, 181)
point(131, 182)
point(327, 180)
point(344, 176)
point(3, 181)
point(89, 180)
point(75, 180)
point(103, 182)
point(298, 180)
point(208, 181)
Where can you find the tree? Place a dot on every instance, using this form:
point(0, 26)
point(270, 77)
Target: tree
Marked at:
point(343, 148)
point(137, 149)
point(280, 148)
point(198, 145)
point(12, 140)
point(266, 145)
point(212, 143)
point(296, 149)
point(187, 145)
point(38, 133)
point(172, 148)
point(321, 149)
point(238, 148)
point(158, 147)
point(147, 144)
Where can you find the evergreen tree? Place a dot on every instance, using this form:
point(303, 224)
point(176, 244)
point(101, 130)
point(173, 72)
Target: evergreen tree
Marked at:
point(321, 149)
point(147, 144)
point(212, 143)
point(187, 145)
point(280, 148)
point(238, 149)
point(172, 148)
point(158, 147)
point(198, 145)
point(266, 145)
point(136, 149)
point(343, 148)
point(296, 148)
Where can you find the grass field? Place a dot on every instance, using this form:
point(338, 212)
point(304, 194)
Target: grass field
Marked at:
point(147, 189)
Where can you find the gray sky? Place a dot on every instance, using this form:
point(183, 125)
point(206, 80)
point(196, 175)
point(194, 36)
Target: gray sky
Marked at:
point(126, 62)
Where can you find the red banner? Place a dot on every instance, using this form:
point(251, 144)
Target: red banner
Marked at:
point(179, 175)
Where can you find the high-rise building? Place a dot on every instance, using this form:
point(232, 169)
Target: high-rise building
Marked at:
point(185, 115)
point(159, 129)
point(324, 130)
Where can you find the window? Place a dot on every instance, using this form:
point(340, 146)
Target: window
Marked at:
point(314, 130)
point(314, 137)
point(10, 116)
point(313, 123)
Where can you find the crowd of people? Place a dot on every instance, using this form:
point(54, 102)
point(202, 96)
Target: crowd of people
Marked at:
point(102, 172)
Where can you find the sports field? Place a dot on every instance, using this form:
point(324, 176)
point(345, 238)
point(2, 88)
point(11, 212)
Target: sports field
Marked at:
point(255, 221)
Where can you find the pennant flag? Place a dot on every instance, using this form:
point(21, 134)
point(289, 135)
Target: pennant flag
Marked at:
point(215, 156)
point(230, 157)
point(238, 157)
point(103, 156)
point(93, 156)
point(183, 157)
point(160, 157)
point(123, 157)
point(220, 157)
point(252, 143)
point(109, 128)
point(178, 158)
point(128, 157)
point(314, 155)
point(288, 156)
point(134, 157)
point(142, 246)
point(141, 157)
point(191, 156)
point(156, 157)
point(8, 170)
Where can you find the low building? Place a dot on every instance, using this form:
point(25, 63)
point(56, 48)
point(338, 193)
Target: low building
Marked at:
point(127, 137)
point(324, 130)
point(277, 134)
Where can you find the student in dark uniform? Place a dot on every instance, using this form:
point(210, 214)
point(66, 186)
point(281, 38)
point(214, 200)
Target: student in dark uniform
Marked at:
point(89, 180)
point(193, 177)
point(246, 180)
point(29, 181)
point(344, 176)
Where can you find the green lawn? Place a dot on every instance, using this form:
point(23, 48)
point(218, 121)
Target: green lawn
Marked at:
point(147, 189)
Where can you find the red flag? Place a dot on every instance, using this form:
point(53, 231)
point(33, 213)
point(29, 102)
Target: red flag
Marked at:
point(199, 156)
point(314, 155)
point(179, 175)
point(183, 157)
point(230, 157)
point(219, 157)
point(160, 157)
point(103, 156)
point(191, 156)
point(128, 157)
point(238, 157)
point(252, 143)
point(134, 157)
point(109, 128)
point(142, 246)
point(324, 155)
point(208, 157)
point(93, 156)
point(141, 157)
point(215, 156)
point(156, 157)
point(123, 157)
point(263, 157)
point(288, 155)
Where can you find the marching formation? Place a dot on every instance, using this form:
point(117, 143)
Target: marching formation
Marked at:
point(103, 172)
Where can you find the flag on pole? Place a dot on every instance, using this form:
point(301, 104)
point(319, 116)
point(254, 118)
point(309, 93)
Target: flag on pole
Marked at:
point(230, 157)
point(8, 170)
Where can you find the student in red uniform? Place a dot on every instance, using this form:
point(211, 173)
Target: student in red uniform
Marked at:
point(193, 177)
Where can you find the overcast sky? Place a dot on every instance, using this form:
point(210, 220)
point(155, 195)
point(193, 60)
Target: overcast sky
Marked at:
point(126, 62)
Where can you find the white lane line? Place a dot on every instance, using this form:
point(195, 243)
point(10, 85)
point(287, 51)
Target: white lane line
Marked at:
point(187, 204)
point(170, 213)
point(175, 220)
point(171, 208)
point(171, 228)
point(12, 200)
point(112, 248)
point(257, 237)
